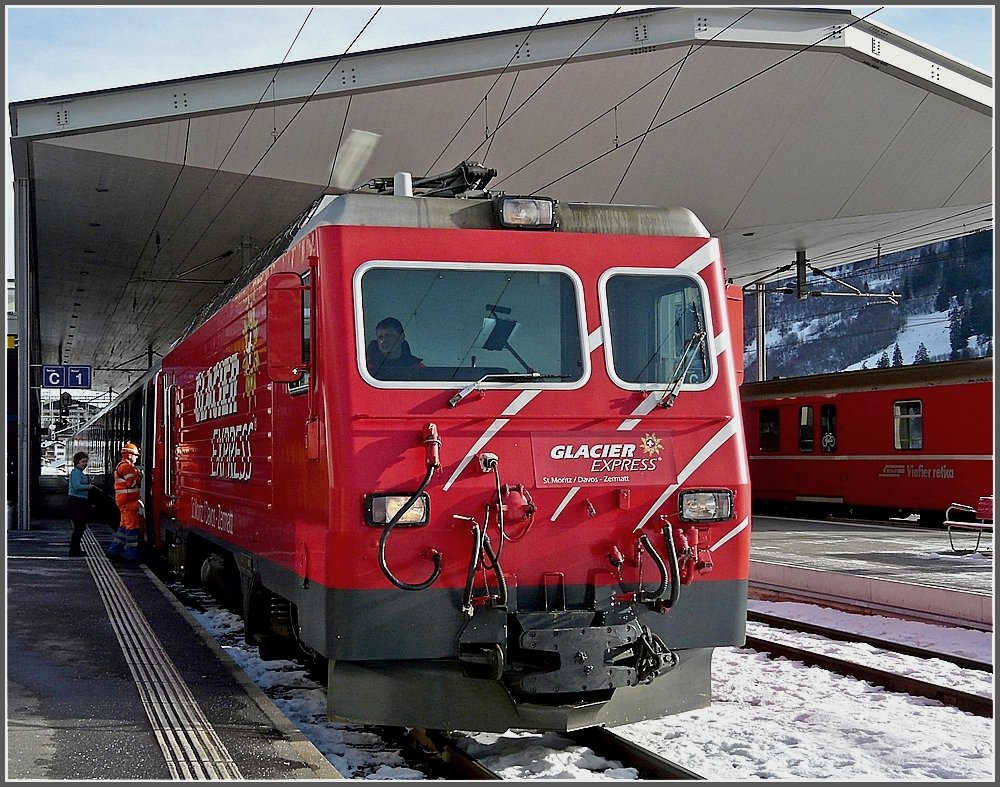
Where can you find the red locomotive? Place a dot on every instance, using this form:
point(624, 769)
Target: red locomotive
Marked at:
point(904, 441)
point(529, 508)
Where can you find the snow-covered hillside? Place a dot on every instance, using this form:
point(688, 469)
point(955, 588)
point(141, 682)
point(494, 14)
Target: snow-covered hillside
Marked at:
point(944, 310)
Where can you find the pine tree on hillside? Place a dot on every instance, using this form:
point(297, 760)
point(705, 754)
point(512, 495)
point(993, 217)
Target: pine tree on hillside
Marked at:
point(897, 355)
point(981, 315)
point(958, 332)
point(922, 356)
point(942, 300)
point(883, 360)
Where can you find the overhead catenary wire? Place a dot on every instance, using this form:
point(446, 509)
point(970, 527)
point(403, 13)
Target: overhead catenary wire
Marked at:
point(708, 100)
point(287, 125)
point(666, 94)
point(903, 240)
point(274, 142)
point(475, 109)
point(232, 146)
point(154, 231)
point(882, 268)
point(835, 312)
point(547, 79)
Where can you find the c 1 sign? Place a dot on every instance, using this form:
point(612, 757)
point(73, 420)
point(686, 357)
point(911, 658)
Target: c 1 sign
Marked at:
point(78, 377)
point(62, 376)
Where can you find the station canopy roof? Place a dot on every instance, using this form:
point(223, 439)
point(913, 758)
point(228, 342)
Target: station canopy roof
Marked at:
point(785, 130)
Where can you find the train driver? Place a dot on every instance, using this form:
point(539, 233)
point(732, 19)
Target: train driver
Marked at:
point(390, 348)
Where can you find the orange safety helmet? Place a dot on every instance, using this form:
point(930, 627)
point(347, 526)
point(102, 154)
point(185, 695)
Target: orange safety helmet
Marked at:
point(130, 448)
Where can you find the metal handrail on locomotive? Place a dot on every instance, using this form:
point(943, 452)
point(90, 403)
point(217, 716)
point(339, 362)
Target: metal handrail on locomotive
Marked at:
point(528, 508)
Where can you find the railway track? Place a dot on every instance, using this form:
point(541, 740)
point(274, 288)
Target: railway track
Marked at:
point(453, 762)
point(884, 644)
point(767, 591)
point(973, 703)
point(649, 765)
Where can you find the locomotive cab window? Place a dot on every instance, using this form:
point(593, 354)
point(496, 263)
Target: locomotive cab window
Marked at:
point(658, 330)
point(908, 425)
point(768, 430)
point(430, 325)
point(302, 384)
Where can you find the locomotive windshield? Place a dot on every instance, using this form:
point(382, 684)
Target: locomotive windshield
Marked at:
point(657, 325)
point(439, 323)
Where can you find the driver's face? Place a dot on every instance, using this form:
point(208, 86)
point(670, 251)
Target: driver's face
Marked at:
point(388, 341)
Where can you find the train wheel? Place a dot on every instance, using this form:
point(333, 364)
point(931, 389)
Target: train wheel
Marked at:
point(218, 577)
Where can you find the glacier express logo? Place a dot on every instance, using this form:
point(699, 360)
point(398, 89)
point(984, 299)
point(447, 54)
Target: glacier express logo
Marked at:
point(251, 355)
point(602, 459)
point(610, 457)
point(651, 444)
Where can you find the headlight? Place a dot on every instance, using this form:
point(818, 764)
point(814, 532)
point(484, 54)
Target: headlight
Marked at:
point(706, 505)
point(380, 509)
point(525, 212)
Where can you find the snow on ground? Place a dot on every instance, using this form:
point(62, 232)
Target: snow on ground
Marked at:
point(770, 719)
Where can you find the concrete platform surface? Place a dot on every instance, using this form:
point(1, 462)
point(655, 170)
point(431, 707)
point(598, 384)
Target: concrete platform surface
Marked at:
point(109, 677)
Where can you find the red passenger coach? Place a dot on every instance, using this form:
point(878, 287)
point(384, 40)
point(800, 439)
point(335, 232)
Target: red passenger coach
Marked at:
point(536, 516)
point(904, 441)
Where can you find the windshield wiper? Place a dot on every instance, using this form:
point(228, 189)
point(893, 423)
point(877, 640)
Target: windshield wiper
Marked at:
point(510, 378)
point(697, 339)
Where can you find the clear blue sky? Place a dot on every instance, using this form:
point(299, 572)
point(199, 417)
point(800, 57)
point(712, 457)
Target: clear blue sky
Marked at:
point(53, 51)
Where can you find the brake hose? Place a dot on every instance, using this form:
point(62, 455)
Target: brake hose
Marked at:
point(435, 555)
point(473, 562)
point(675, 569)
point(502, 591)
point(659, 565)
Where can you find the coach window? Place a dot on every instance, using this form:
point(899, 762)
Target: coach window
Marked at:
point(462, 322)
point(658, 332)
point(769, 430)
point(806, 438)
point(302, 383)
point(908, 425)
point(828, 427)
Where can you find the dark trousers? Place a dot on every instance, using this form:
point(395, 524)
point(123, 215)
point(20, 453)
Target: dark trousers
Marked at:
point(79, 511)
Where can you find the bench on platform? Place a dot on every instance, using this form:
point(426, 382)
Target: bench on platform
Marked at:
point(978, 519)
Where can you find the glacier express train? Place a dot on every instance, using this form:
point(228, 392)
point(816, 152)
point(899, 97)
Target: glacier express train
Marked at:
point(538, 519)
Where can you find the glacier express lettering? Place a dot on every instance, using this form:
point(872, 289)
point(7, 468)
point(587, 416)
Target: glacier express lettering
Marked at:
point(231, 452)
point(215, 389)
point(607, 457)
point(600, 451)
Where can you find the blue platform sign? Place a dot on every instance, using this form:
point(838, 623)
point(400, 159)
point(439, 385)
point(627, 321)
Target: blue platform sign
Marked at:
point(62, 376)
point(78, 377)
point(53, 377)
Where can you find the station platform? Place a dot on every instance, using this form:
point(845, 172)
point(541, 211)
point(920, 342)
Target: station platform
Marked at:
point(891, 566)
point(109, 677)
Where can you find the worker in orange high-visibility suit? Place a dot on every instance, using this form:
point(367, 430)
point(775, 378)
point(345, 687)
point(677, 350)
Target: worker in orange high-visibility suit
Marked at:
point(128, 477)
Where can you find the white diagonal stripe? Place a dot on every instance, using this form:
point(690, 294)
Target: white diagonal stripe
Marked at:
point(731, 534)
point(720, 437)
